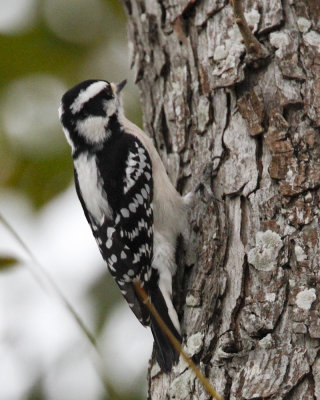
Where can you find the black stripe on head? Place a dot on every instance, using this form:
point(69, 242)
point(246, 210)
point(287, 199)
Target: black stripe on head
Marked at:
point(81, 88)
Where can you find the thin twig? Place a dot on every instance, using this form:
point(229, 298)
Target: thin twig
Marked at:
point(47, 283)
point(254, 48)
point(176, 344)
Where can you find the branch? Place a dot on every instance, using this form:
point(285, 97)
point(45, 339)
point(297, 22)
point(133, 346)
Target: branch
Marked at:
point(255, 50)
point(175, 343)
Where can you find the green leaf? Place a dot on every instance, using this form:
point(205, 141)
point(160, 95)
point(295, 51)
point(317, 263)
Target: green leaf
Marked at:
point(40, 178)
point(7, 262)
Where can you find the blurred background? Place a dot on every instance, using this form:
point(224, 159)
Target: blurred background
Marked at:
point(47, 46)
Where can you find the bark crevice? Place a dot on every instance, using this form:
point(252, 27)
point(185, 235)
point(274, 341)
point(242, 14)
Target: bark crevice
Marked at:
point(250, 284)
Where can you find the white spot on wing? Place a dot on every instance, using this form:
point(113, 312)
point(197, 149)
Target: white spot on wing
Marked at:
point(142, 223)
point(136, 165)
point(139, 198)
point(110, 265)
point(125, 212)
point(136, 258)
point(135, 233)
point(123, 255)
point(110, 232)
point(136, 203)
point(144, 193)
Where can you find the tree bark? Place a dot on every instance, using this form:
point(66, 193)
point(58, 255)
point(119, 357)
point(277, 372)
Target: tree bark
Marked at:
point(247, 126)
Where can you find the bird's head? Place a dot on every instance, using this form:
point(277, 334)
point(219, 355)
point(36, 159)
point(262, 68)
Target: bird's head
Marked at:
point(88, 112)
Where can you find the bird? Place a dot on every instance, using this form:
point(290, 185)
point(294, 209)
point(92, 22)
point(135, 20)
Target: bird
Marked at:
point(134, 211)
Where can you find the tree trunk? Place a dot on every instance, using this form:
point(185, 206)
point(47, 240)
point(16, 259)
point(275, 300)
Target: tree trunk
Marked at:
point(245, 124)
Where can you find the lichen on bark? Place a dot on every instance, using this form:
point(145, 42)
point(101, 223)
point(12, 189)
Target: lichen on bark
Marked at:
point(248, 282)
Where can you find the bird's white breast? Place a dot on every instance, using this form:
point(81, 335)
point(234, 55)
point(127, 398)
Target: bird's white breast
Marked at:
point(91, 188)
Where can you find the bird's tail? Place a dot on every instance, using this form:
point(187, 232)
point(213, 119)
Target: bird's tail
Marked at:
point(166, 354)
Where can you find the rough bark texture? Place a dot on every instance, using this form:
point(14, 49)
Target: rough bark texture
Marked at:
point(250, 278)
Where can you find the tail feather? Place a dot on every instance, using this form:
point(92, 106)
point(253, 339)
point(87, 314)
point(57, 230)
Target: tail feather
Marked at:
point(166, 354)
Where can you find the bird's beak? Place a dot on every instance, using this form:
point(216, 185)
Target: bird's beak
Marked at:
point(120, 86)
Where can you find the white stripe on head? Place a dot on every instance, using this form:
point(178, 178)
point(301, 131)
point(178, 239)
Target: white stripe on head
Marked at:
point(87, 94)
point(110, 107)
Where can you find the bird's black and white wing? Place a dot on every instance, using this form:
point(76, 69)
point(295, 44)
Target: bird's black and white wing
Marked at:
point(126, 239)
